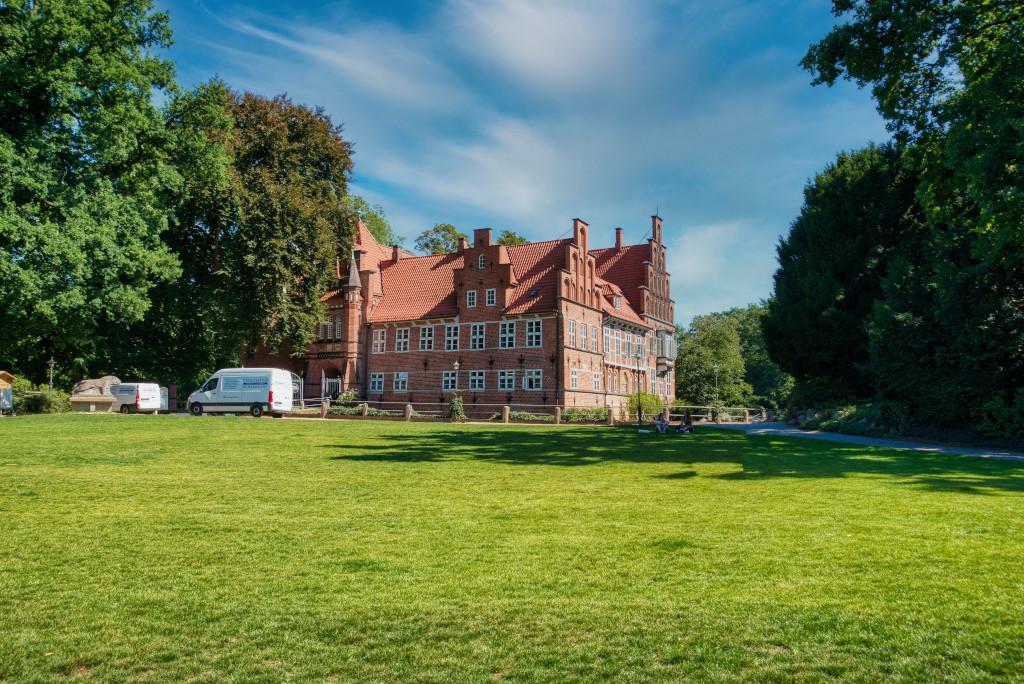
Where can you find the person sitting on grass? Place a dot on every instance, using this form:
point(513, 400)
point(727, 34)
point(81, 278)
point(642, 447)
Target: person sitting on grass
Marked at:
point(661, 424)
point(685, 423)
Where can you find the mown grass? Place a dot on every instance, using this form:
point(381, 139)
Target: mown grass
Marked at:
point(216, 549)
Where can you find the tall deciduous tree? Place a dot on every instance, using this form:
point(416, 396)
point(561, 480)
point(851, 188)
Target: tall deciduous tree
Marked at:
point(85, 183)
point(858, 215)
point(709, 341)
point(258, 228)
point(441, 239)
point(769, 384)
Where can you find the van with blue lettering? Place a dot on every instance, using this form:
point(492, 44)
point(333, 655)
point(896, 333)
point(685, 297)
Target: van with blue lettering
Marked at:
point(236, 390)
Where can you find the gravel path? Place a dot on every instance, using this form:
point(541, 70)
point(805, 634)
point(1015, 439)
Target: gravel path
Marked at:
point(780, 428)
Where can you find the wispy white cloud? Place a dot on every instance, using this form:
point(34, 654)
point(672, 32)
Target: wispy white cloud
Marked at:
point(526, 113)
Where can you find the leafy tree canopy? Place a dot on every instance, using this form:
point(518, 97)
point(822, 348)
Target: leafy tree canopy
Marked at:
point(858, 214)
point(509, 238)
point(258, 238)
point(770, 385)
point(709, 341)
point(944, 74)
point(374, 219)
point(443, 238)
point(86, 185)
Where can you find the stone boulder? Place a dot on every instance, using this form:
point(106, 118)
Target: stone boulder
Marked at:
point(96, 386)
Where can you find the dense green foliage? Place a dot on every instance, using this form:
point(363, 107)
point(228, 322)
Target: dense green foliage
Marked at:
point(769, 385)
point(145, 243)
point(258, 236)
point(374, 219)
point(709, 341)
point(943, 332)
point(734, 341)
point(443, 238)
point(510, 237)
point(86, 182)
point(858, 216)
point(162, 549)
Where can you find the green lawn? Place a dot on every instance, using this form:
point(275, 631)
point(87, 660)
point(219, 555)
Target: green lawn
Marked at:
point(179, 549)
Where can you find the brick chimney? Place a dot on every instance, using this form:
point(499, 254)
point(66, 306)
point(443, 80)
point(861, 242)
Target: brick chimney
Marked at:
point(618, 239)
point(396, 253)
point(463, 244)
point(482, 237)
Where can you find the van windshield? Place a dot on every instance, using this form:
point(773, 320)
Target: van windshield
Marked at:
point(211, 384)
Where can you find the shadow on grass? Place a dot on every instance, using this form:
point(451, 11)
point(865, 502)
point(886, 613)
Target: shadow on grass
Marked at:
point(759, 457)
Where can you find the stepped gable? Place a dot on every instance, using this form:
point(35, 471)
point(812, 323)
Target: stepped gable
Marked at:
point(625, 268)
point(536, 266)
point(417, 288)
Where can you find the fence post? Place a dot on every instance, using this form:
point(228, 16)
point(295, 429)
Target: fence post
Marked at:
point(558, 415)
point(366, 409)
point(324, 405)
point(504, 414)
point(408, 411)
point(746, 416)
point(611, 416)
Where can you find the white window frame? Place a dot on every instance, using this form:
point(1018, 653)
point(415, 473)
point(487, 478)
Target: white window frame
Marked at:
point(476, 380)
point(401, 382)
point(506, 380)
point(607, 339)
point(492, 296)
point(470, 299)
point(572, 333)
point(330, 328)
point(534, 333)
point(337, 327)
point(426, 338)
point(597, 381)
point(583, 335)
point(449, 380)
point(507, 335)
point(593, 338)
point(477, 336)
point(376, 382)
point(451, 337)
point(402, 336)
point(380, 339)
point(533, 379)
point(574, 380)
point(481, 262)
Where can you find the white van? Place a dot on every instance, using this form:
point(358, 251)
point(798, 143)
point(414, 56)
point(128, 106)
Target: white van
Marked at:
point(132, 397)
point(233, 390)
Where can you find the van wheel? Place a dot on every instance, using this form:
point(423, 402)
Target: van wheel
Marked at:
point(125, 408)
point(196, 409)
point(256, 410)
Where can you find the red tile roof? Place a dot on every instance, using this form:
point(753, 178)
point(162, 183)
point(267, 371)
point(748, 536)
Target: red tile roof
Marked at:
point(535, 266)
point(417, 288)
point(626, 269)
point(625, 312)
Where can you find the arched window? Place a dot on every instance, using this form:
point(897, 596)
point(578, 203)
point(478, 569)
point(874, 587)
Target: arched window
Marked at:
point(481, 262)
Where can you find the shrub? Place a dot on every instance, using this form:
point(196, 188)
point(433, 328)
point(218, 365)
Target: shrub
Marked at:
point(583, 415)
point(29, 398)
point(1001, 420)
point(455, 409)
point(523, 415)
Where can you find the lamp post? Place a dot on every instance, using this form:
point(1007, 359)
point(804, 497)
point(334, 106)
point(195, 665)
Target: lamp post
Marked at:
point(51, 363)
point(456, 367)
point(715, 368)
point(639, 410)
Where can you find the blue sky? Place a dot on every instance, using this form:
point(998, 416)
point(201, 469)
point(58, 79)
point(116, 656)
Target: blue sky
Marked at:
point(525, 114)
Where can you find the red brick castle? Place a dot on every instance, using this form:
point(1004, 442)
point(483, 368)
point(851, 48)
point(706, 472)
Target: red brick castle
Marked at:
point(540, 324)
